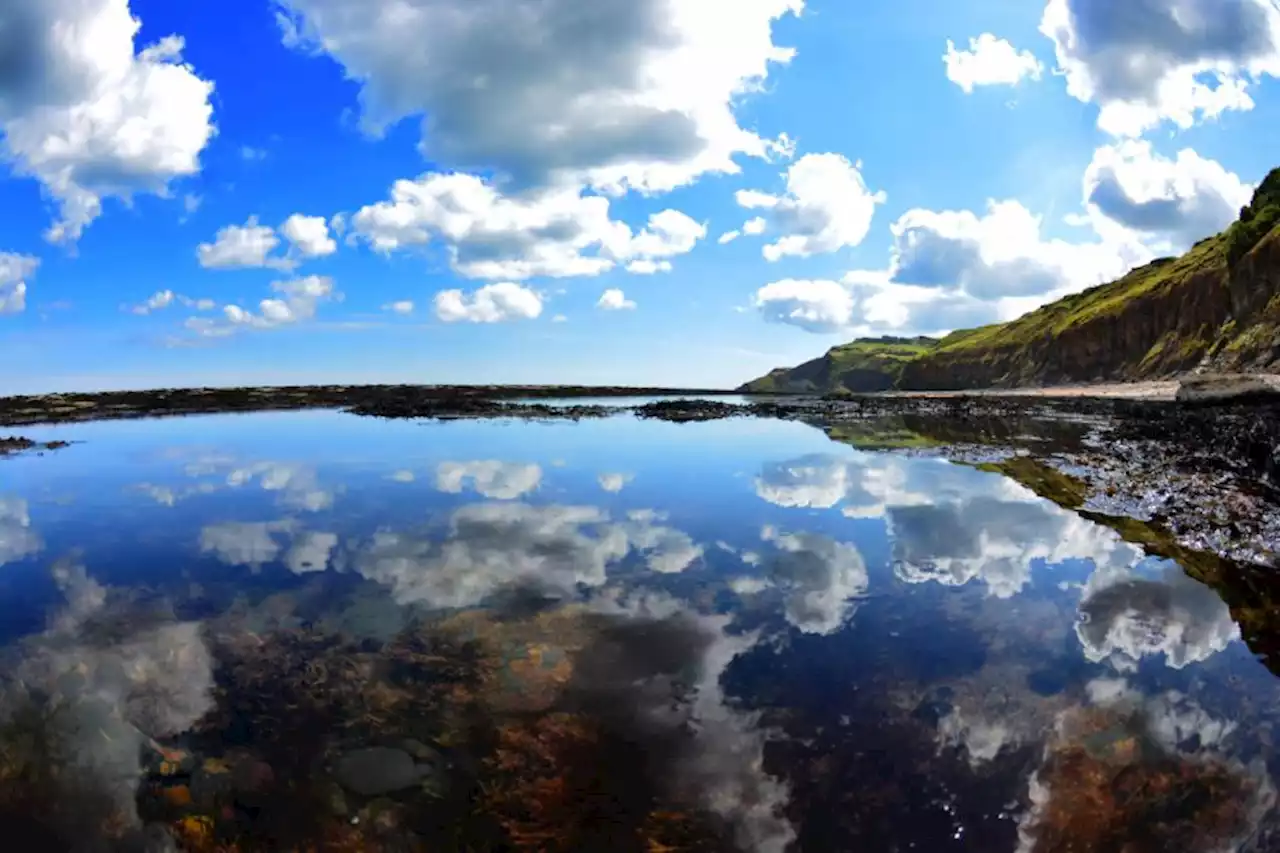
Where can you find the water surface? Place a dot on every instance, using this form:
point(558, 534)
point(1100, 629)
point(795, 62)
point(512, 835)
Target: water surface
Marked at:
point(317, 631)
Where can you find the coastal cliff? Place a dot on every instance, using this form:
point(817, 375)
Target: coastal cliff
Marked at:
point(1217, 308)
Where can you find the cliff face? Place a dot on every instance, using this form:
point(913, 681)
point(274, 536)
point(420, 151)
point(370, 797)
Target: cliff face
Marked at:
point(1159, 319)
point(862, 366)
point(1216, 308)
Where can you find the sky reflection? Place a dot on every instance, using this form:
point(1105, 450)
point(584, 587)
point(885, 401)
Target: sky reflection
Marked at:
point(753, 604)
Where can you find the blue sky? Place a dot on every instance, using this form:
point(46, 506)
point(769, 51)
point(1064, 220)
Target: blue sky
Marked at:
point(223, 208)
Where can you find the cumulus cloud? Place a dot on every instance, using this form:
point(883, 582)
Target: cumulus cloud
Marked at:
point(308, 236)
point(954, 269)
point(17, 539)
point(158, 301)
point(242, 246)
point(820, 578)
point(614, 300)
point(1176, 202)
point(558, 232)
point(297, 300)
point(14, 271)
point(493, 303)
point(404, 307)
point(1125, 617)
point(1000, 254)
point(490, 478)
point(990, 61)
point(622, 95)
point(1149, 61)
point(88, 116)
point(818, 306)
point(826, 206)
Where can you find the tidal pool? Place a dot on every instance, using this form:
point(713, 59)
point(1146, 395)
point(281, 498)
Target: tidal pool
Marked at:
point(317, 631)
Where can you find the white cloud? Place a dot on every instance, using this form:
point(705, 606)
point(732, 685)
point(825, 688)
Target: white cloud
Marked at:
point(1148, 61)
point(160, 300)
point(728, 237)
point(827, 206)
point(955, 269)
point(636, 94)
point(309, 236)
point(191, 202)
point(490, 478)
point(1000, 254)
point(559, 233)
point(1176, 202)
point(648, 267)
point(248, 152)
point(990, 61)
point(242, 246)
point(14, 271)
point(197, 304)
point(614, 300)
point(87, 116)
point(298, 300)
point(493, 303)
point(559, 318)
point(403, 307)
point(815, 306)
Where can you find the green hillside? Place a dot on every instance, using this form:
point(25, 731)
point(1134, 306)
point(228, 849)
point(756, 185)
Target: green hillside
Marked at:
point(864, 365)
point(1217, 306)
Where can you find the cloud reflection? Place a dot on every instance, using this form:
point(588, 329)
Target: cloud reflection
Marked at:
point(491, 479)
point(102, 683)
point(492, 546)
point(662, 643)
point(17, 539)
point(1125, 617)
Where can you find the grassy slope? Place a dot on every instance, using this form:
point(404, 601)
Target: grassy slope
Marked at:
point(1019, 351)
point(853, 366)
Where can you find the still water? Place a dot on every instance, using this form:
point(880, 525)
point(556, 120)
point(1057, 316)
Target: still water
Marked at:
point(313, 631)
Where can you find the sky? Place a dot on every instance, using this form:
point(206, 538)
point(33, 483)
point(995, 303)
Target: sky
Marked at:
point(662, 192)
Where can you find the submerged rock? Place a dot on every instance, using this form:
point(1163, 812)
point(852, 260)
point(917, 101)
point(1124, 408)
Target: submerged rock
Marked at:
point(377, 770)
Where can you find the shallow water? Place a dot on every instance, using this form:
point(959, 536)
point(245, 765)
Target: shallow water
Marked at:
point(605, 635)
